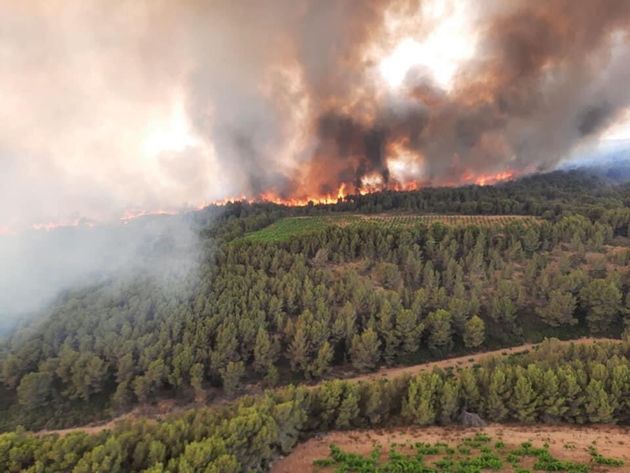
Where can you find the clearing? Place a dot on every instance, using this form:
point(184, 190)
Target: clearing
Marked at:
point(566, 443)
point(290, 227)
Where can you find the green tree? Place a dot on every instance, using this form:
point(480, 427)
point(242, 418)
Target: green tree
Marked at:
point(421, 403)
point(474, 332)
point(196, 380)
point(440, 332)
point(523, 400)
point(409, 330)
point(231, 377)
point(34, 389)
point(449, 401)
point(263, 352)
point(365, 352)
point(498, 395)
point(598, 407)
point(552, 403)
point(348, 408)
point(602, 300)
point(321, 364)
point(558, 309)
point(389, 275)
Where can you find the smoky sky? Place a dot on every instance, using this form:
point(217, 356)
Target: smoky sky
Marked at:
point(111, 107)
point(38, 265)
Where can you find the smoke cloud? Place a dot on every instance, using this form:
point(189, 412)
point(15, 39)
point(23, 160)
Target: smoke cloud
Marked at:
point(38, 265)
point(115, 108)
point(111, 107)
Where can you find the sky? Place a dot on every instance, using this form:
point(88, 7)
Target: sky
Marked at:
point(112, 109)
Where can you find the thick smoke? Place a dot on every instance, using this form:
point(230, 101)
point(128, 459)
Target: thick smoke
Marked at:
point(161, 105)
point(38, 265)
point(546, 77)
point(144, 105)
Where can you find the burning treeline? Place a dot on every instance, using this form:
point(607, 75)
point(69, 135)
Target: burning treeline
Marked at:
point(321, 122)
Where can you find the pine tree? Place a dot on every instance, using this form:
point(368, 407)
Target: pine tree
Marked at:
point(449, 401)
point(470, 396)
point(196, 380)
point(376, 402)
point(440, 332)
point(299, 351)
point(409, 330)
point(474, 332)
point(420, 405)
point(552, 403)
point(387, 333)
point(349, 408)
point(34, 390)
point(598, 408)
point(263, 352)
point(365, 352)
point(602, 300)
point(231, 377)
point(572, 391)
point(523, 399)
point(497, 395)
point(321, 364)
point(558, 309)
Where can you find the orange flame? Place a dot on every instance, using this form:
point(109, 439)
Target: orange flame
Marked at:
point(370, 185)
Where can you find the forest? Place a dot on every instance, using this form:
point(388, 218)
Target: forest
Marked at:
point(288, 296)
point(575, 384)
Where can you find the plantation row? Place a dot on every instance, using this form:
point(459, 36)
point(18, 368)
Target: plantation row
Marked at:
point(457, 220)
point(472, 455)
point(290, 227)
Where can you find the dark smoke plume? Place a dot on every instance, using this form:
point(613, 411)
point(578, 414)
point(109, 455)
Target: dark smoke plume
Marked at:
point(547, 75)
point(284, 97)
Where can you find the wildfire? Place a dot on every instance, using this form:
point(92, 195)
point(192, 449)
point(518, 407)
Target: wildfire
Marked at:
point(49, 226)
point(130, 215)
point(370, 184)
point(489, 179)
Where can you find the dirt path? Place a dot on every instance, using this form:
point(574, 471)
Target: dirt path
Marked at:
point(88, 429)
point(462, 361)
point(565, 442)
point(384, 373)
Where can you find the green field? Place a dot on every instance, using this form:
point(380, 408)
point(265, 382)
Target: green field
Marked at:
point(473, 455)
point(290, 227)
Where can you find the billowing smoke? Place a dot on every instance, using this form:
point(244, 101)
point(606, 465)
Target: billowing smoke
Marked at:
point(38, 265)
point(111, 106)
point(546, 76)
point(137, 105)
point(302, 109)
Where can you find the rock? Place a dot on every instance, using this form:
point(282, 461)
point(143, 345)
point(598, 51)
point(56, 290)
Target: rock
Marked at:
point(470, 419)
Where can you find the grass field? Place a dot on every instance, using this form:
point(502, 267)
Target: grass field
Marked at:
point(290, 227)
point(287, 228)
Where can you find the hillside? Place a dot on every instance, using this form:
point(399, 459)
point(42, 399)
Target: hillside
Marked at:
point(284, 294)
point(288, 295)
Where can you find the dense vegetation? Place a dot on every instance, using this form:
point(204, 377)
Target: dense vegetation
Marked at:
point(274, 310)
point(575, 383)
point(472, 455)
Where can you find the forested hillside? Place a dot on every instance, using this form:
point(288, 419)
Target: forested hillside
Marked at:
point(576, 384)
point(352, 295)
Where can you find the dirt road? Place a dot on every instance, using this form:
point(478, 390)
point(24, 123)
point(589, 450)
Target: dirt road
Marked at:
point(384, 373)
point(461, 361)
